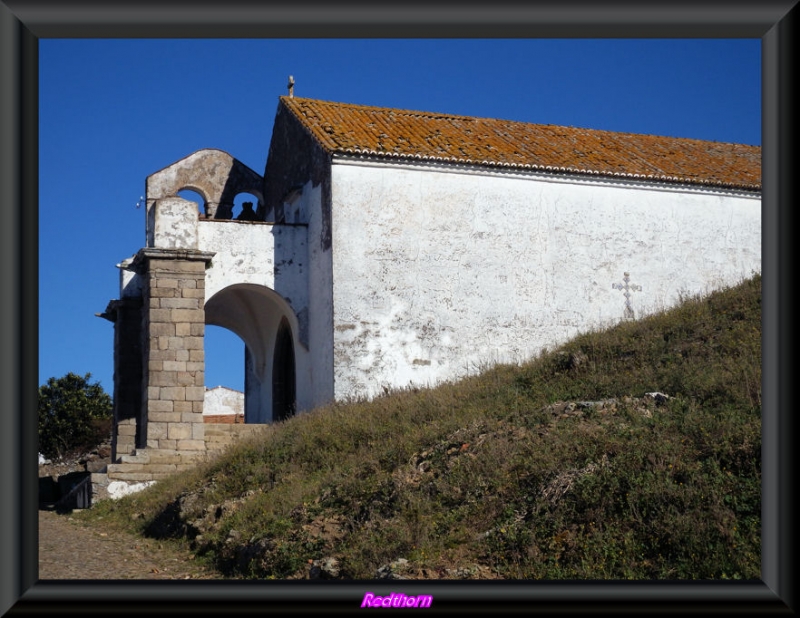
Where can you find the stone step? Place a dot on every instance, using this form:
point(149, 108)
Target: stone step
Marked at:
point(138, 458)
point(161, 457)
point(130, 476)
point(123, 467)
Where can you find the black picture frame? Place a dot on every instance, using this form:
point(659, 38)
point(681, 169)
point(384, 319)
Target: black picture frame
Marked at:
point(24, 22)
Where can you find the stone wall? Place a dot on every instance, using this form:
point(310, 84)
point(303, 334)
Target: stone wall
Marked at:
point(171, 424)
point(149, 465)
point(221, 435)
point(174, 352)
point(127, 317)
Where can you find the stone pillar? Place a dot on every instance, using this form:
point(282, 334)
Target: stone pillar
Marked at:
point(126, 314)
point(173, 351)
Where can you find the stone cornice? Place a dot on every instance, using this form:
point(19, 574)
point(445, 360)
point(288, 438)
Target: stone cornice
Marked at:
point(145, 254)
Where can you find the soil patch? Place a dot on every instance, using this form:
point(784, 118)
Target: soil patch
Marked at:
point(71, 549)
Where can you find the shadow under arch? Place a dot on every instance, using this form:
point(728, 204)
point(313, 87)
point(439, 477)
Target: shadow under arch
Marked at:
point(265, 322)
point(284, 380)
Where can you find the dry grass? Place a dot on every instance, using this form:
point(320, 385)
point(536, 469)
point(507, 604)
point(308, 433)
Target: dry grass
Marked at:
point(507, 474)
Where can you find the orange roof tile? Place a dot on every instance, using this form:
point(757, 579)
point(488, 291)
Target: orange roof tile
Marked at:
point(344, 128)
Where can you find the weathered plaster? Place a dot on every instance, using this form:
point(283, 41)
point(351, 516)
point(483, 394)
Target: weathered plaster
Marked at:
point(389, 275)
point(274, 256)
point(174, 223)
point(437, 273)
point(119, 489)
point(432, 272)
point(320, 307)
point(297, 162)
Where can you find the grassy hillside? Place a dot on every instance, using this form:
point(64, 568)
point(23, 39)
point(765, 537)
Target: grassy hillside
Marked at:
point(561, 468)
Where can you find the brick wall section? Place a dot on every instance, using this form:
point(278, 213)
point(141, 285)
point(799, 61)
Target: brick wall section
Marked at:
point(224, 419)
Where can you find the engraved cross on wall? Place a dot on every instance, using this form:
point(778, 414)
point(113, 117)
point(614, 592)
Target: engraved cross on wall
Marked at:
point(628, 288)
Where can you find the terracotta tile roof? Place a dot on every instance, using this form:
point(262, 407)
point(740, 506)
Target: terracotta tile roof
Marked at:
point(344, 128)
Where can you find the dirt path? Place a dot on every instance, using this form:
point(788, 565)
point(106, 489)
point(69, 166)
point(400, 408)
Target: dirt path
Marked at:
point(68, 549)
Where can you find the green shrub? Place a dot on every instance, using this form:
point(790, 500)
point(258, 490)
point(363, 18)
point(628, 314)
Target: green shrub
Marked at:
point(74, 415)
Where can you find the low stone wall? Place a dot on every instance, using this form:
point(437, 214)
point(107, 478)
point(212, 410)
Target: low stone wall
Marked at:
point(99, 486)
point(223, 419)
point(147, 465)
point(220, 435)
point(153, 465)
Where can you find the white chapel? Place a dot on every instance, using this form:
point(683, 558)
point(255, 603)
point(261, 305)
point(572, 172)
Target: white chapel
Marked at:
point(385, 248)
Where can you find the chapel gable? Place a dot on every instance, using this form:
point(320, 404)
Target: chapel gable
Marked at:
point(295, 159)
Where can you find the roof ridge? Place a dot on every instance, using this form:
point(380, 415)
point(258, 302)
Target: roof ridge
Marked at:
point(353, 129)
point(444, 115)
point(379, 108)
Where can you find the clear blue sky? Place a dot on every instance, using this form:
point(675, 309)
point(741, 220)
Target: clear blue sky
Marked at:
point(114, 111)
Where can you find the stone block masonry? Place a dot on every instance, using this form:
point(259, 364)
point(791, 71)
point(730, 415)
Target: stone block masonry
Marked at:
point(219, 436)
point(154, 464)
point(126, 315)
point(178, 437)
point(171, 423)
point(174, 326)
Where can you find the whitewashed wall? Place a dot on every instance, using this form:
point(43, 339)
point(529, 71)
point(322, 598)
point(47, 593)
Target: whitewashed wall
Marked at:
point(437, 274)
point(320, 301)
point(275, 258)
point(250, 252)
point(222, 400)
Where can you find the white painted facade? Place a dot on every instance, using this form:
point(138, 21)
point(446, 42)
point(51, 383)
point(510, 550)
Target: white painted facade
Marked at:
point(428, 272)
point(258, 275)
point(439, 271)
point(222, 400)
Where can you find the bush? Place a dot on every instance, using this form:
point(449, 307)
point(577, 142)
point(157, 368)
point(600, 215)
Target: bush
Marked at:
point(74, 415)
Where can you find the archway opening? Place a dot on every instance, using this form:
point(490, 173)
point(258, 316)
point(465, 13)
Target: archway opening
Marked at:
point(265, 323)
point(224, 358)
point(284, 380)
point(224, 400)
point(194, 196)
point(238, 207)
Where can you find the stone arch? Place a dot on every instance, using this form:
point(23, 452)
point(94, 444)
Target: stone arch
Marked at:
point(244, 212)
point(260, 317)
point(212, 173)
point(193, 195)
